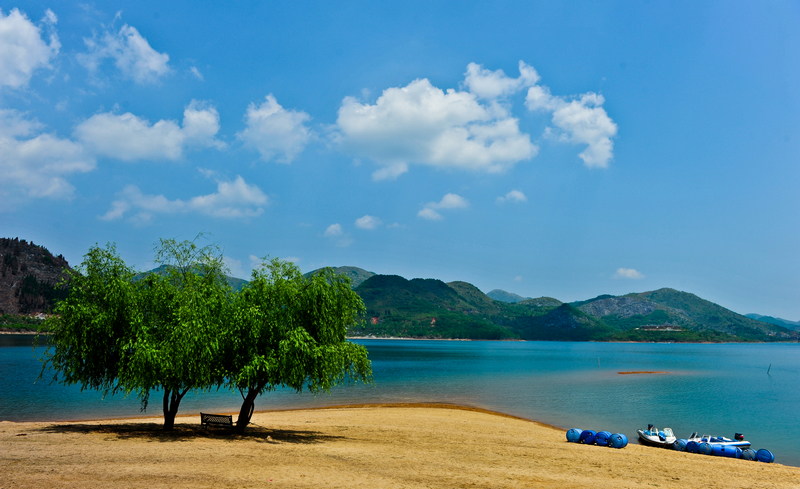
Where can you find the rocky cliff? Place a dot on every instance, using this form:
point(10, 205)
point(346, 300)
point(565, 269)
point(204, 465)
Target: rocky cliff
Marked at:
point(29, 275)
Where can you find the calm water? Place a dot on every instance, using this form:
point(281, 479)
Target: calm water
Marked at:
point(717, 389)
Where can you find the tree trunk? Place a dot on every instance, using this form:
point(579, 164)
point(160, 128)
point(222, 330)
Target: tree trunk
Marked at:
point(246, 412)
point(172, 400)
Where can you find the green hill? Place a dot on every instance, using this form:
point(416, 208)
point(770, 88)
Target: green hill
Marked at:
point(682, 309)
point(793, 325)
point(236, 283)
point(357, 275)
point(428, 308)
point(503, 296)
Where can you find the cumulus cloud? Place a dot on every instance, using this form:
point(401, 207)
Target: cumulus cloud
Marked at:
point(233, 199)
point(34, 163)
point(194, 71)
point(333, 231)
point(423, 124)
point(628, 273)
point(449, 201)
point(132, 55)
point(512, 196)
point(128, 137)
point(274, 131)
point(22, 47)
point(336, 234)
point(488, 84)
point(368, 222)
point(582, 120)
point(234, 267)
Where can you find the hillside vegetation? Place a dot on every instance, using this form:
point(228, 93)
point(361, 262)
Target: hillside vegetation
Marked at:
point(430, 308)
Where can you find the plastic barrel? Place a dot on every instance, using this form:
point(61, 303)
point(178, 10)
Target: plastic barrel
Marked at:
point(602, 438)
point(680, 445)
point(692, 446)
point(618, 440)
point(764, 455)
point(726, 451)
point(587, 437)
point(574, 435)
point(749, 454)
point(704, 448)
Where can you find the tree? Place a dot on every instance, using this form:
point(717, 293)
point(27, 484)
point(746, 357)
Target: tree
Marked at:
point(289, 331)
point(117, 332)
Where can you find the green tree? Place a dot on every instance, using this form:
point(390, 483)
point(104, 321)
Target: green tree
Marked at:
point(289, 331)
point(116, 333)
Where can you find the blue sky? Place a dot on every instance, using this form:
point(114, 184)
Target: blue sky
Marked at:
point(566, 149)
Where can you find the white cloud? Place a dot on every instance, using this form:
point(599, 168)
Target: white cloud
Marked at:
point(22, 49)
point(518, 278)
point(233, 199)
point(449, 201)
point(336, 234)
point(35, 164)
point(582, 120)
point(129, 138)
point(422, 124)
point(430, 214)
point(274, 131)
point(132, 55)
point(494, 84)
point(194, 71)
point(512, 196)
point(628, 273)
point(333, 231)
point(368, 222)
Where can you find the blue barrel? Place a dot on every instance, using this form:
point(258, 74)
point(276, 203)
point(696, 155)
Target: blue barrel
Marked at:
point(764, 455)
point(587, 437)
point(704, 448)
point(618, 440)
point(726, 451)
point(574, 435)
point(602, 438)
point(749, 454)
point(692, 446)
point(680, 445)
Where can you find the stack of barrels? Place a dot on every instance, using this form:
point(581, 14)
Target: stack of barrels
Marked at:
point(761, 455)
point(601, 438)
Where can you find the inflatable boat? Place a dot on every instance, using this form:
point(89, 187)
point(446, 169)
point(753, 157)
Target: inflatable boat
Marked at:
point(654, 437)
point(738, 441)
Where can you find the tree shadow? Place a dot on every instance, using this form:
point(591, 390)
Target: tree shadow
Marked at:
point(189, 432)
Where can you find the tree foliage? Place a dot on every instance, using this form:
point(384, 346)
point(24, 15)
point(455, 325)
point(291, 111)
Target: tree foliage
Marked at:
point(184, 329)
point(114, 333)
point(289, 331)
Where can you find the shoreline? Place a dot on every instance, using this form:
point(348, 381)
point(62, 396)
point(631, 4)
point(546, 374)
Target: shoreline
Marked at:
point(377, 446)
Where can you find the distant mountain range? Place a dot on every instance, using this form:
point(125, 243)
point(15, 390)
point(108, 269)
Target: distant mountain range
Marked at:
point(503, 296)
point(430, 308)
point(793, 325)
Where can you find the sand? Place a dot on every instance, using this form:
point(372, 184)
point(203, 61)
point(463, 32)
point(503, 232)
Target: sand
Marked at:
point(366, 446)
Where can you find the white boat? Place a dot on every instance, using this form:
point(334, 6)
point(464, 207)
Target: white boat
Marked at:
point(654, 437)
point(738, 440)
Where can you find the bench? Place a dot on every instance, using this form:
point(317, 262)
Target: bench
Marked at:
point(225, 420)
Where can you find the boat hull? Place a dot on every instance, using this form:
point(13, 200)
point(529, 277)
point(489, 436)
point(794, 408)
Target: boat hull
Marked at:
point(646, 440)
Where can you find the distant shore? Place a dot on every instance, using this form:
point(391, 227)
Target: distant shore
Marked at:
point(376, 446)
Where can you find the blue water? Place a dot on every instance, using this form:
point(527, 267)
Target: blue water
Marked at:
point(714, 388)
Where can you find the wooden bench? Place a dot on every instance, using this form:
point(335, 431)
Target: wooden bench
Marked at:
point(225, 420)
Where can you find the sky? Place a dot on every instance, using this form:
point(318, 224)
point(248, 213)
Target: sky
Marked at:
point(561, 149)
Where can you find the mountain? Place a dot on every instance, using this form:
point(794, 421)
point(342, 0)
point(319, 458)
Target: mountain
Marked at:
point(682, 309)
point(429, 308)
point(503, 296)
point(793, 325)
point(236, 283)
point(29, 275)
point(357, 275)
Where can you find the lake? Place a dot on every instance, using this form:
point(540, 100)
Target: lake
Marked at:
point(712, 388)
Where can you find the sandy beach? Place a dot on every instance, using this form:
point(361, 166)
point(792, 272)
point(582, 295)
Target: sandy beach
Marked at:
point(370, 446)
